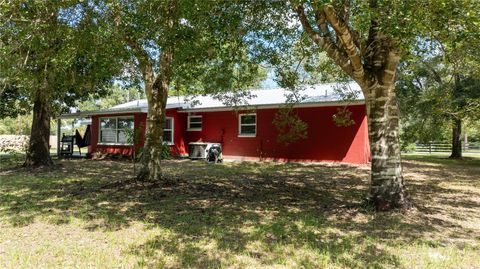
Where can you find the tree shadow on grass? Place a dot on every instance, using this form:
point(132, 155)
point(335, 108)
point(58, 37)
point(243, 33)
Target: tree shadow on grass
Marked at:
point(221, 215)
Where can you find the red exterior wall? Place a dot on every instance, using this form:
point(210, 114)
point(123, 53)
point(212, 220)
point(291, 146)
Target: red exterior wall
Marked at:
point(139, 119)
point(325, 141)
point(180, 146)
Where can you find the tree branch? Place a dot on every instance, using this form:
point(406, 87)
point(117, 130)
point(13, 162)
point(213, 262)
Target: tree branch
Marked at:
point(389, 73)
point(321, 21)
point(346, 6)
point(343, 32)
point(435, 74)
point(167, 52)
point(144, 61)
point(343, 12)
point(324, 43)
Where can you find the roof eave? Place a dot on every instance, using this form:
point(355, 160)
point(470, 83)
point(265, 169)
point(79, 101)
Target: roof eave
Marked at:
point(270, 106)
point(88, 114)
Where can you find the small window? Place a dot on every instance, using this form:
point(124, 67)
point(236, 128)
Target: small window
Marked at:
point(194, 123)
point(247, 125)
point(113, 130)
point(168, 131)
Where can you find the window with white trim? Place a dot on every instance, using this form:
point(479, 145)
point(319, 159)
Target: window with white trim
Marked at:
point(247, 125)
point(194, 123)
point(112, 129)
point(168, 131)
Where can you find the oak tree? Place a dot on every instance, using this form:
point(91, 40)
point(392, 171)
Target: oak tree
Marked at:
point(53, 53)
point(179, 45)
point(367, 40)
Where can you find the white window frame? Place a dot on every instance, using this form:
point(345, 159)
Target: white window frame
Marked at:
point(248, 124)
point(116, 130)
point(172, 129)
point(188, 123)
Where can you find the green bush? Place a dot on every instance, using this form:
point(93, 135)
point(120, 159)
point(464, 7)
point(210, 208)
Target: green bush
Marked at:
point(408, 147)
point(166, 151)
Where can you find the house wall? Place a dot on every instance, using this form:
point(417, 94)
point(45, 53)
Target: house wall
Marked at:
point(140, 120)
point(325, 141)
point(180, 146)
point(139, 123)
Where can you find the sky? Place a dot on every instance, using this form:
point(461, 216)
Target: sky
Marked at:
point(269, 82)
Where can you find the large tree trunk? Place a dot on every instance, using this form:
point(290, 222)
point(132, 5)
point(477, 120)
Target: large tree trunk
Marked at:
point(157, 94)
point(152, 153)
point(387, 189)
point(456, 142)
point(38, 153)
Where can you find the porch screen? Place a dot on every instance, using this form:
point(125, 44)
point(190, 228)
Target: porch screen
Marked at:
point(113, 130)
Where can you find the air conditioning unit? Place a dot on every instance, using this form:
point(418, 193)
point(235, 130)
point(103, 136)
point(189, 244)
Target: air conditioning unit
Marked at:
point(199, 150)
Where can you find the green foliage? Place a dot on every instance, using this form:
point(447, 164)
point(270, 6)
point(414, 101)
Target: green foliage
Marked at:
point(440, 81)
point(132, 136)
point(289, 126)
point(12, 103)
point(19, 125)
point(472, 128)
point(343, 117)
point(304, 64)
point(59, 48)
point(165, 151)
point(407, 147)
point(421, 105)
point(209, 53)
point(116, 95)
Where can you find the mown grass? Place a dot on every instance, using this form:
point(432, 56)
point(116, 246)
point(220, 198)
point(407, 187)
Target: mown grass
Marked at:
point(90, 214)
point(443, 159)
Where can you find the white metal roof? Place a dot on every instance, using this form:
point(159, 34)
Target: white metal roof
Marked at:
point(323, 94)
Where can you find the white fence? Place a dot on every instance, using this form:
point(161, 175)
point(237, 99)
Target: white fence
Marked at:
point(434, 147)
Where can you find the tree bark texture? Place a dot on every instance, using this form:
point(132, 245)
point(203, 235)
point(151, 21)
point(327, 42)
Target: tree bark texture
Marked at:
point(456, 139)
point(150, 163)
point(387, 189)
point(38, 152)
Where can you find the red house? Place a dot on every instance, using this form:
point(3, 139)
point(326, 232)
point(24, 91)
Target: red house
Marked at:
point(246, 132)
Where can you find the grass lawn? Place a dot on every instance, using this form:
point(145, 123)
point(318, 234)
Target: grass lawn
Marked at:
point(90, 214)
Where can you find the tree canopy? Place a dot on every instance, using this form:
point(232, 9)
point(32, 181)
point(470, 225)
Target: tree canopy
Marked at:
point(439, 82)
point(191, 46)
point(53, 53)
